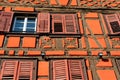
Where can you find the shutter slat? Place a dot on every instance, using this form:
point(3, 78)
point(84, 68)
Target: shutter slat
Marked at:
point(25, 70)
point(113, 23)
point(9, 70)
point(43, 23)
point(5, 21)
point(60, 70)
point(70, 24)
point(75, 69)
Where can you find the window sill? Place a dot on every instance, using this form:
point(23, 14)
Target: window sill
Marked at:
point(114, 35)
point(41, 34)
point(66, 35)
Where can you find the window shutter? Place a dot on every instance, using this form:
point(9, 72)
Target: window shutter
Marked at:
point(57, 23)
point(75, 70)
point(113, 23)
point(60, 70)
point(43, 23)
point(5, 21)
point(9, 70)
point(25, 70)
point(70, 24)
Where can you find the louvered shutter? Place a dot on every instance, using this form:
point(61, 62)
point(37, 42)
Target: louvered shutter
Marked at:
point(43, 23)
point(5, 21)
point(25, 70)
point(70, 24)
point(60, 70)
point(9, 70)
point(113, 23)
point(57, 23)
point(75, 70)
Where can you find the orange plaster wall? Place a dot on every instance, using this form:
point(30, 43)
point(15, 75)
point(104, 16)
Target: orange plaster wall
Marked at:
point(94, 26)
point(29, 9)
point(83, 42)
point(1, 7)
point(115, 53)
point(29, 42)
point(106, 74)
point(13, 42)
point(74, 3)
point(89, 75)
point(81, 26)
point(8, 9)
point(2, 52)
point(55, 53)
point(77, 53)
point(95, 53)
point(63, 2)
point(43, 68)
point(104, 63)
point(53, 2)
point(42, 79)
point(34, 53)
point(1, 40)
point(93, 44)
point(91, 15)
point(87, 63)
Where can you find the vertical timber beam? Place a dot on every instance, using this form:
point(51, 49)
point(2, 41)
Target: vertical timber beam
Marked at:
point(103, 30)
point(93, 69)
point(84, 30)
point(115, 68)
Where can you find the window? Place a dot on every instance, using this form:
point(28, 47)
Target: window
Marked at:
point(69, 70)
point(24, 24)
point(113, 23)
point(43, 23)
point(64, 24)
point(17, 70)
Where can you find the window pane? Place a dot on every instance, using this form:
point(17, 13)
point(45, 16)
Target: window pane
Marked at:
point(58, 27)
point(30, 30)
point(24, 24)
point(31, 20)
point(115, 26)
point(20, 20)
point(31, 25)
point(19, 24)
point(18, 29)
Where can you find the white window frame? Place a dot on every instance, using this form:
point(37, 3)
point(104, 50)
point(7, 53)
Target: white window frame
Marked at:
point(24, 23)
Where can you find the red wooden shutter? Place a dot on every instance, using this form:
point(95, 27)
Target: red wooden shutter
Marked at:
point(5, 21)
point(75, 70)
point(25, 70)
point(43, 23)
point(70, 24)
point(113, 23)
point(9, 70)
point(60, 70)
point(57, 23)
